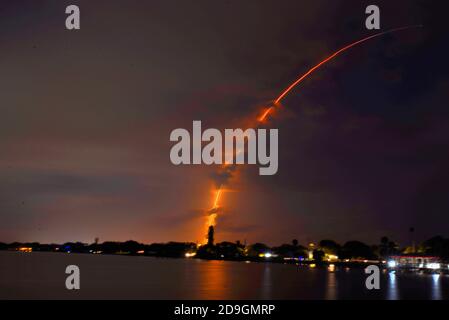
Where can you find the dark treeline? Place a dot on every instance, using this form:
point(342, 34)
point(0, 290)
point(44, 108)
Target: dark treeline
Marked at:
point(325, 250)
point(170, 249)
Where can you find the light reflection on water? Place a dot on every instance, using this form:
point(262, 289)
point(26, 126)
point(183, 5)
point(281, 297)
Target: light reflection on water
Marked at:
point(331, 286)
point(213, 281)
point(232, 280)
point(151, 278)
point(431, 286)
point(436, 287)
point(266, 282)
point(392, 286)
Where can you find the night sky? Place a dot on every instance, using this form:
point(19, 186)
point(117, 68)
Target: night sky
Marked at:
point(85, 120)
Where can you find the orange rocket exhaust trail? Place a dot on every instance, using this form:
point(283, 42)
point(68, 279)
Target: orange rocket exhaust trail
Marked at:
point(332, 56)
point(265, 114)
point(217, 199)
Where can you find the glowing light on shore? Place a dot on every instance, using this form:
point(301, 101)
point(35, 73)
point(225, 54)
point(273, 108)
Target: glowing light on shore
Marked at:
point(433, 266)
point(391, 264)
point(190, 254)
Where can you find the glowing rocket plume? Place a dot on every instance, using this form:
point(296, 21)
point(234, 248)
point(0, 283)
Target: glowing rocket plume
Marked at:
point(213, 212)
point(265, 114)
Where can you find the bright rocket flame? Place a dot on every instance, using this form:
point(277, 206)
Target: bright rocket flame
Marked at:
point(217, 199)
point(211, 221)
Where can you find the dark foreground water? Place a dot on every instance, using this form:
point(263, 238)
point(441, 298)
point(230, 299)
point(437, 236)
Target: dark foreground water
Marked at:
point(42, 276)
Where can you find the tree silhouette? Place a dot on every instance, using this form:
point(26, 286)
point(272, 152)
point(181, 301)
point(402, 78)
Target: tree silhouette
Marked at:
point(330, 246)
point(357, 249)
point(318, 255)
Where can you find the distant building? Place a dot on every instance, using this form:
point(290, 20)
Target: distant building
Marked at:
point(414, 262)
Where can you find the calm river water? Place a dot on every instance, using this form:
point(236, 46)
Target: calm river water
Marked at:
point(42, 276)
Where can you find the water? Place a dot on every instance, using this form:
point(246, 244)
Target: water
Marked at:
point(42, 276)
